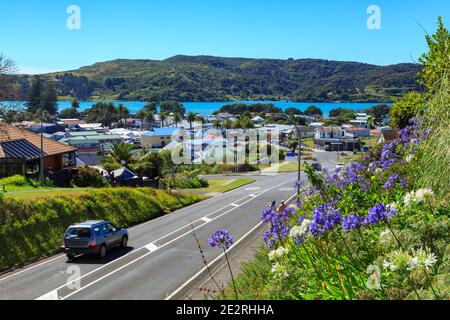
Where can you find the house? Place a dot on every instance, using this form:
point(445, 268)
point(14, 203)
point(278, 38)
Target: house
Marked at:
point(305, 132)
point(158, 137)
point(258, 120)
point(361, 121)
point(334, 139)
point(71, 122)
point(20, 152)
point(91, 145)
point(48, 128)
point(387, 135)
point(356, 132)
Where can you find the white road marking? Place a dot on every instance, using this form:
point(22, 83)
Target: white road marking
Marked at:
point(184, 285)
point(52, 295)
point(151, 247)
point(143, 256)
point(206, 219)
point(32, 267)
point(235, 205)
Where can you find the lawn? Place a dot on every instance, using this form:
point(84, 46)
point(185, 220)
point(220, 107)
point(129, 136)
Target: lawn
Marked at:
point(221, 186)
point(289, 167)
point(45, 192)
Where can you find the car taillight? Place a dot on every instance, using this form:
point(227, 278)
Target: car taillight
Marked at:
point(63, 243)
point(92, 243)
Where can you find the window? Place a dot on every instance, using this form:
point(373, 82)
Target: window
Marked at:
point(79, 233)
point(111, 228)
point(97, 231)
point(105, 228)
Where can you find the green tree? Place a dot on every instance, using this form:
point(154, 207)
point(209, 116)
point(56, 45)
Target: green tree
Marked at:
point(151, 107)
point(122, 152)
point(191, 117)
point(69, 113)
point(34, 95)
point(293, 111)
point(217, 124)
point(436, 62)
point(406, 108)
point(75, 104)
point(123, 113)
point(49, 98)
point(102, 112)
point(313, 111)
point(176, 119)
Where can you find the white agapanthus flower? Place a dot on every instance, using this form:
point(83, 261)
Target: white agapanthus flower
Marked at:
point(279, 270)
point(378, 170)
point(386, 237)
point(413, 263)
point(409, 158)
point(417, 196)
point(278, 253)
point(300, 231)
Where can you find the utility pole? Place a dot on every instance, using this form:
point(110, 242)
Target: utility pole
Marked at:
point(41, 164)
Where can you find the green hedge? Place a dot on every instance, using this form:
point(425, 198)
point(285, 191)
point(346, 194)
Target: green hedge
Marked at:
point(32, 229)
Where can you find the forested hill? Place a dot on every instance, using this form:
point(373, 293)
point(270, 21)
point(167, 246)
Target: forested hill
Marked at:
point(206, 78)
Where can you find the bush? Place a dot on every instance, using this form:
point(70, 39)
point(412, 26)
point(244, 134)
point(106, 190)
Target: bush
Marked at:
point(17, 180)
point(32, 229)
point(89, 177)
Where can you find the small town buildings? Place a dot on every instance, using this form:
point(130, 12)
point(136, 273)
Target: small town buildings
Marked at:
point(356, 132)
point(158, 137)
point(387, 135)
point(334, 139)
point(258, 120)
point(48, 128)
point(20, 152)
point(361, 121)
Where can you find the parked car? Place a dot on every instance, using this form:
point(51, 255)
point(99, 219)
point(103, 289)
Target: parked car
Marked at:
point(93, 237)
point(317, 166)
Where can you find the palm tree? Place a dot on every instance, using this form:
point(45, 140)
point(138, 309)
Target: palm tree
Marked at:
point(217, 124)
point(227, 124)
point(141, 116)
point(122, 152)
point(150, 117)
point(191, 116)
point(176, 119)
point(124, 113)
point(163, 117)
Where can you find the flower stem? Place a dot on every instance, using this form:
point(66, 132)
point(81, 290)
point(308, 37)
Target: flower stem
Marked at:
point(231, 273)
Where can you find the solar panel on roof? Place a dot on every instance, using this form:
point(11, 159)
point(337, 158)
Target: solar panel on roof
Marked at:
point(21, 149)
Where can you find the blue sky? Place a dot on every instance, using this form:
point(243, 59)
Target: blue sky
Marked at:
point(34, 32)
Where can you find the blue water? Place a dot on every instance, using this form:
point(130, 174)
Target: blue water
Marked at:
point(207, 108)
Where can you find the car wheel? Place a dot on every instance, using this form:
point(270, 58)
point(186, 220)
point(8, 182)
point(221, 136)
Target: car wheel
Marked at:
point(70, 257)
point(124, 243)
point(102, 252)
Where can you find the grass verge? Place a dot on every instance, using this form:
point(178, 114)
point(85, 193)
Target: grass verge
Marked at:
point(32, 228)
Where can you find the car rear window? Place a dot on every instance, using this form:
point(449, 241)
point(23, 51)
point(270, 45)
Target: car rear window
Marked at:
point(79, 232)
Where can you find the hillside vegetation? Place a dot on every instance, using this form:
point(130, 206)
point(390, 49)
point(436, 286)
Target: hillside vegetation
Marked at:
point(207, 78)
point(33, 228)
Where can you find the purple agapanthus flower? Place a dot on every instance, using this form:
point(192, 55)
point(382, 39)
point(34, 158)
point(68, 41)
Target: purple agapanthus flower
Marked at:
point(403, 182)
point(391, 181)
point(299, 183)
point(325, 217)
point(379, 213)
point(352, 222)
point(221, 239)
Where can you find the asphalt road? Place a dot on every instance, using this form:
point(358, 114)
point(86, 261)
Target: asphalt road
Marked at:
point(162, 256)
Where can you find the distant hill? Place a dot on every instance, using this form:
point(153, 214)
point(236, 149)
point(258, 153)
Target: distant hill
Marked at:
point(207, 78)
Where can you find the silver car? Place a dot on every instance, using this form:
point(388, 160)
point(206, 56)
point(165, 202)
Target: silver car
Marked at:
point(93, 237)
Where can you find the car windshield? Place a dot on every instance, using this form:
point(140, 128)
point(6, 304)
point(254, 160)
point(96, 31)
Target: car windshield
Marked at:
point(79, 232)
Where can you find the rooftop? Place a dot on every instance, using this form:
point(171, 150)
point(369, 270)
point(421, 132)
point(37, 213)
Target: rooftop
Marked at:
point(156, 132)
point(11, 133)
